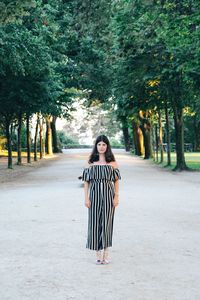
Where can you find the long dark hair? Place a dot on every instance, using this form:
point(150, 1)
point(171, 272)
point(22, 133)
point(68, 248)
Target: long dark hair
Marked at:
point(109, 156)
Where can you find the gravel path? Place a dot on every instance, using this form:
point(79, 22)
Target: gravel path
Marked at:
point(156, 244)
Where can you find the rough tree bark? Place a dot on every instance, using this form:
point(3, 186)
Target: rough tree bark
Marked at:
point(41, 139)
point(19, 129)
point(35, 138)
point(168, 136)
point(48, 136)
point(196, 124)
point(179, 133)
point(138, 139)
point(56, 149)
point(28, 138)
point(156, 141)
point(125, 133)
point(146, 130)
point(160, 137)
point(126, 138)
point(9, 142)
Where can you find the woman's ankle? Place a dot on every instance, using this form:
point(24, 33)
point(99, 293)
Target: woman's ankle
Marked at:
point(98, 255)
point(105, 254)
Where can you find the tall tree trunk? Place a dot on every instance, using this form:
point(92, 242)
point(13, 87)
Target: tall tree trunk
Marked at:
point(48, 136)
point(157, 141)
point(168, 136)
point(126, 137)
point(9, 143)
point(179, 134)
point(196, 133)
point(19, 150)
point(56, 149)
point(35, 138)
point(125, 131)
point(153, 142)
point(41, 140)
point(160, 137)
point(138, 139)
point(28, 138)
point(146, 128)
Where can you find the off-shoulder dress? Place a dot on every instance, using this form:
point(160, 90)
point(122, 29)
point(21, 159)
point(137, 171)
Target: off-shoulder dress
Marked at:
point(101, 180)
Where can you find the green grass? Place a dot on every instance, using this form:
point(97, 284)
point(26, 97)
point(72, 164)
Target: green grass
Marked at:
point(192, 160)
point(4, 153)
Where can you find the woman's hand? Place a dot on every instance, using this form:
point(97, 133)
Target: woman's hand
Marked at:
point(116, 201)
point(87, 202)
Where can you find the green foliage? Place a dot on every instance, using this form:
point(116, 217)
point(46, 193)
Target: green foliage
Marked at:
point(88, 47)
point(64, 139)
point(125, 55)
point(24, 69)
point(115, 143)
point(155, 57)
point(14, 11)
point(155, 42)
point(32, 56)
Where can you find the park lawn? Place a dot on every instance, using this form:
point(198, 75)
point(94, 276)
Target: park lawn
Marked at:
point(4, 153)
point(192, 160)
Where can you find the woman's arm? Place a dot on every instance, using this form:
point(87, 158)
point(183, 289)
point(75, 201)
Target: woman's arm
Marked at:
point(86, 190)
point(116, 185)
point(116, 197)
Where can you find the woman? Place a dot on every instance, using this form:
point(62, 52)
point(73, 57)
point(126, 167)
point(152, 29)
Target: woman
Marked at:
point(101, 186)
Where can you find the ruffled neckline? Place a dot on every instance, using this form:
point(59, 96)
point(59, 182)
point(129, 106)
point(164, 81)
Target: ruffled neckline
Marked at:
point(103, 166)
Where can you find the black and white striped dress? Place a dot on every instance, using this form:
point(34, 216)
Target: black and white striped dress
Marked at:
point(101, 212)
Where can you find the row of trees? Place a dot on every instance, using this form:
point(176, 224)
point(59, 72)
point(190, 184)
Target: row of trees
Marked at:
point(156, 71)
point(33, 73)
point(139, 59)
point(52, 52)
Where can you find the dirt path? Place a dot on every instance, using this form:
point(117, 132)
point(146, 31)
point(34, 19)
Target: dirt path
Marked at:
point(43, 223)
point(21, 171)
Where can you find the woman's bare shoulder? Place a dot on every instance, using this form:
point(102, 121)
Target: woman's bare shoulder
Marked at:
point(114, 164)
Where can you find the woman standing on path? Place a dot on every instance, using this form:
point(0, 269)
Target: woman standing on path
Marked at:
point(101, 186)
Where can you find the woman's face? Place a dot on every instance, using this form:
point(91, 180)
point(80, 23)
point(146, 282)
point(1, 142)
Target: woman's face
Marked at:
point(101, 147)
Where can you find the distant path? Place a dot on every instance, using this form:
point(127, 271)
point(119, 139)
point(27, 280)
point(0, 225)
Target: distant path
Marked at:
point(156, 244)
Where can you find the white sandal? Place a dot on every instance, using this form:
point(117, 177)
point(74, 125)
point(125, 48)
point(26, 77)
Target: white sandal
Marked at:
point(105, 262)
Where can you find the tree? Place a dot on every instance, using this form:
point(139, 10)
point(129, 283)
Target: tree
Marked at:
point(153, 43)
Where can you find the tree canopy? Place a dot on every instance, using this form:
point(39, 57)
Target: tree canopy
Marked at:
point(137, 59)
